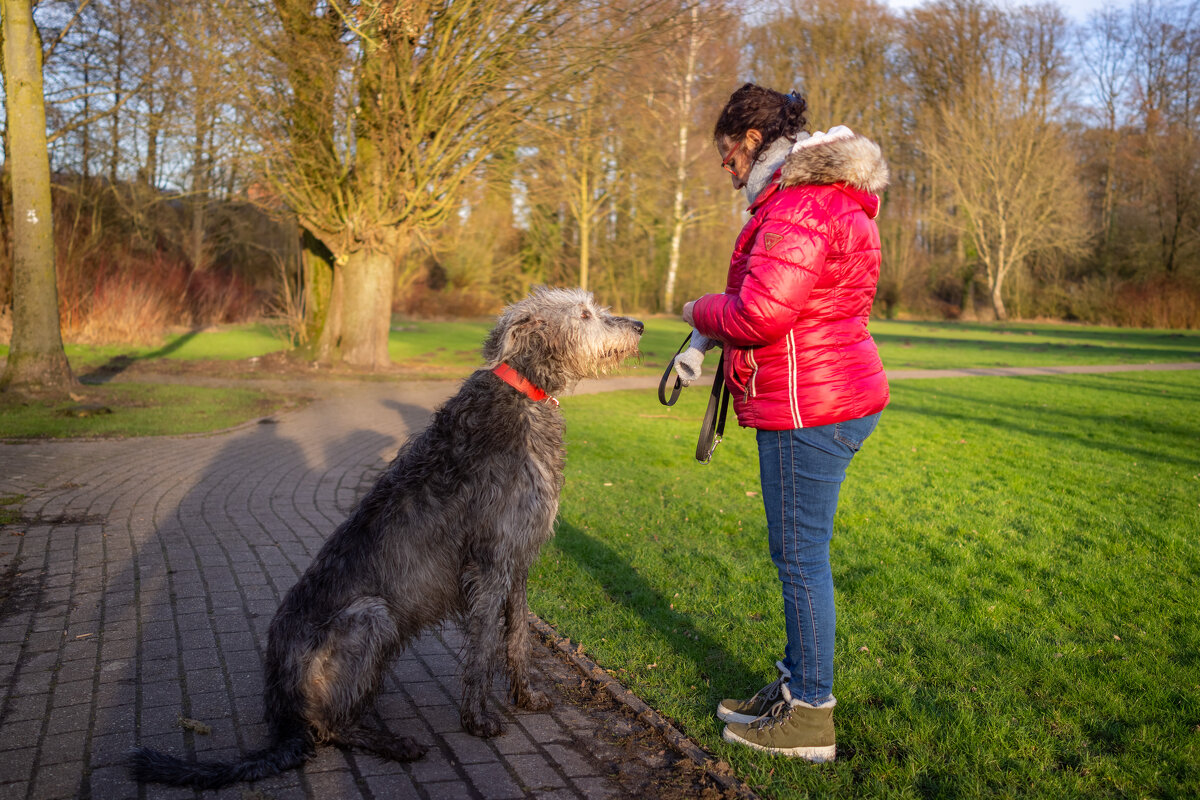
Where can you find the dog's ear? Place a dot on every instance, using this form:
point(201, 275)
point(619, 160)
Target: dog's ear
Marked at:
point(508, 337)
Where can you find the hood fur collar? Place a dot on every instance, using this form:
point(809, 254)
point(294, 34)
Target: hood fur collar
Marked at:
point(840, 156)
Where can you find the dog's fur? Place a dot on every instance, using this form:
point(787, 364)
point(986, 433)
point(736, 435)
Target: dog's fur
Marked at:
point(448, 531)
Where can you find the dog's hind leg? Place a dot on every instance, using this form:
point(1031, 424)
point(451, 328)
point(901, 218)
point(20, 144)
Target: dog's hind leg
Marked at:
point(344, 671)
point(516, 618)
point(384, 744)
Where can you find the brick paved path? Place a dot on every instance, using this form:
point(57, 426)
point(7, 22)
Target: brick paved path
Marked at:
point(140, 585)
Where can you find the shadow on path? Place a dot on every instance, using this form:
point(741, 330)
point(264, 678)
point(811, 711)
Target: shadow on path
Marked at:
point(118, 364)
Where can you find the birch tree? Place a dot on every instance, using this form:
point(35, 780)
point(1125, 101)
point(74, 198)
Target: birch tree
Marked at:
point(684, 80)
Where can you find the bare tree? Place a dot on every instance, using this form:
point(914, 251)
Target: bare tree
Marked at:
point(1006, 162)
point(1104, 47)
point(1166, 46)
point(389, 108)
point(36, 359)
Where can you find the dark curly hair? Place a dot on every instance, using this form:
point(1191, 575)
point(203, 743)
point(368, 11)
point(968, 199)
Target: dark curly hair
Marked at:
point(769, 112)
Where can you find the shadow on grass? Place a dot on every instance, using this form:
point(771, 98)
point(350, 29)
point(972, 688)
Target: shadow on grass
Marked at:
point(624, 586)
point(1056, 423)
point(1122, 349)
point(1127, 336)
point(118, 364)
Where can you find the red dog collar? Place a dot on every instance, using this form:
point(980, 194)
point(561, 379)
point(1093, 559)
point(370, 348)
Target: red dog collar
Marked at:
point(518, 381)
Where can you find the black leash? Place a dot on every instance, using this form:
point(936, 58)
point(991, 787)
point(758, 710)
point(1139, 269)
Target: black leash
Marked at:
point(712, 429)
point(662, 384)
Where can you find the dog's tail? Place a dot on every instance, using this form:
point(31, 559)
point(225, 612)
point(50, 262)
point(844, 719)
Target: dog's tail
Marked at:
point(287, 753)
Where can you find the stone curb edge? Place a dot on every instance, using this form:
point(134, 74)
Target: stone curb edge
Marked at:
point(681, 744)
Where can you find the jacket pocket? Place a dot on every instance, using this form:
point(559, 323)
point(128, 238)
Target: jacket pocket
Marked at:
point(742, 371)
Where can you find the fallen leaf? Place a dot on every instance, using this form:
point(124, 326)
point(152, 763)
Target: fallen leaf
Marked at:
point(194, 725)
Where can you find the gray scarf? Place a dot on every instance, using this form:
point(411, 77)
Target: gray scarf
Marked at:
point(765, 166)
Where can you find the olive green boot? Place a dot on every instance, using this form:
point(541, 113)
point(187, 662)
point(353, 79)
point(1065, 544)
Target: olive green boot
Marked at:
point(749, 710)
point(791, 728)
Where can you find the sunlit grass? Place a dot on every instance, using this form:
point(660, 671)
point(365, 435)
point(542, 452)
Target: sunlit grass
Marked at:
point(136, 409)
point(451, 349)
point(1016, 564)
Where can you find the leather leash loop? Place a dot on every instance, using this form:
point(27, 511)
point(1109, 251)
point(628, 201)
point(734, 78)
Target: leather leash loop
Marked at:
point(662, 384)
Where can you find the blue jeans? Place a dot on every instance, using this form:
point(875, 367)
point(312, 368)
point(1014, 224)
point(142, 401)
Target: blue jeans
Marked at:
point(802, 471)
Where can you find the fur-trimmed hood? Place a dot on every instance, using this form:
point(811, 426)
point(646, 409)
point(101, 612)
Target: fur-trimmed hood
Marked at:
point(839, 156)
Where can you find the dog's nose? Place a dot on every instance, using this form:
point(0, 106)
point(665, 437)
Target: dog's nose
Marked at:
point(638, 326)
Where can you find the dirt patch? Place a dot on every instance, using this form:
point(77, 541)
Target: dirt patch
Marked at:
point(19, 590)
point(632, 747)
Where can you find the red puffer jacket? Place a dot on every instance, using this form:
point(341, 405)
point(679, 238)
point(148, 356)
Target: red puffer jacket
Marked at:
point(793, 318)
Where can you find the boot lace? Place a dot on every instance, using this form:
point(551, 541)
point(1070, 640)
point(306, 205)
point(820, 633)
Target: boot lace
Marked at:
point(772, 690)
point(778, 713)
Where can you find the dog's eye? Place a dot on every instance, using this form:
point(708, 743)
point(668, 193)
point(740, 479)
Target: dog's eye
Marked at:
point(587, 314)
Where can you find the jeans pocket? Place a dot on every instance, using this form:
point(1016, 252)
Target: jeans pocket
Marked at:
point(854, 432)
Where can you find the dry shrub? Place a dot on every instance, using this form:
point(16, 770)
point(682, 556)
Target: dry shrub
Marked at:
point(420, 301)
point(124, 276)
point(123, 311)
point(1157, 303)
point(136, 300)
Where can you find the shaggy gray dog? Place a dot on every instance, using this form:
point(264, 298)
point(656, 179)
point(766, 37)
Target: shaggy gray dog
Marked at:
point(448, 531)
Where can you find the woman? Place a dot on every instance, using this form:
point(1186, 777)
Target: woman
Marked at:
point(803, 371)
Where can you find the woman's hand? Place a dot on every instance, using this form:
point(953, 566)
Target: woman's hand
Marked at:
point(687, 313)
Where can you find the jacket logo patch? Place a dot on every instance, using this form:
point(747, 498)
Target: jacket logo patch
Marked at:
point(772, 239)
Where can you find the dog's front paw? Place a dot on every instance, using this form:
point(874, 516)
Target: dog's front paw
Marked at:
point(530, 699)
point(482, 724)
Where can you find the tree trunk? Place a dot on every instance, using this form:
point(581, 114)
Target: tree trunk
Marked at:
point(317, 263)
point(199, 198)
point(678, 216)
point(36, 360)
point(996, 286)
point(998, 302)
point(329, 342)
point(366, 313)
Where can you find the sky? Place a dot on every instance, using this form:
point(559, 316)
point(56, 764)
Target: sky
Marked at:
point(1077, 10)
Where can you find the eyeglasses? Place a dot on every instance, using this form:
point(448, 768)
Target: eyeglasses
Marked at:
point(725, 161)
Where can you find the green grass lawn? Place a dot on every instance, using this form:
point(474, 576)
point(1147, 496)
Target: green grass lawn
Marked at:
point(451, 349)
point(226, 343)
point(1016, 562)
point(942, 345)
point(137, 409)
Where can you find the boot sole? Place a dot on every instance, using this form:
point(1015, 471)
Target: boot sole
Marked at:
point(814, 754)
point(729, 715)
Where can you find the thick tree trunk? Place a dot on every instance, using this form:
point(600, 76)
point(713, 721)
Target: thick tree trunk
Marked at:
point(366, 308)
point(36, 360)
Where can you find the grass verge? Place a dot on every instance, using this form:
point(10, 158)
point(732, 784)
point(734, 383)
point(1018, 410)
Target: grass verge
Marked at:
point(136, 409)
point(1015, 561)
point(451, 349)
point(9, 503)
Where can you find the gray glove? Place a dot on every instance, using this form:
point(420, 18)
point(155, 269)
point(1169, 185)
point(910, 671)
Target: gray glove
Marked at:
point(687, 363)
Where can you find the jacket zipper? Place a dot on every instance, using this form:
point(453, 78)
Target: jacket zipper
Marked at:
point(751, 390)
